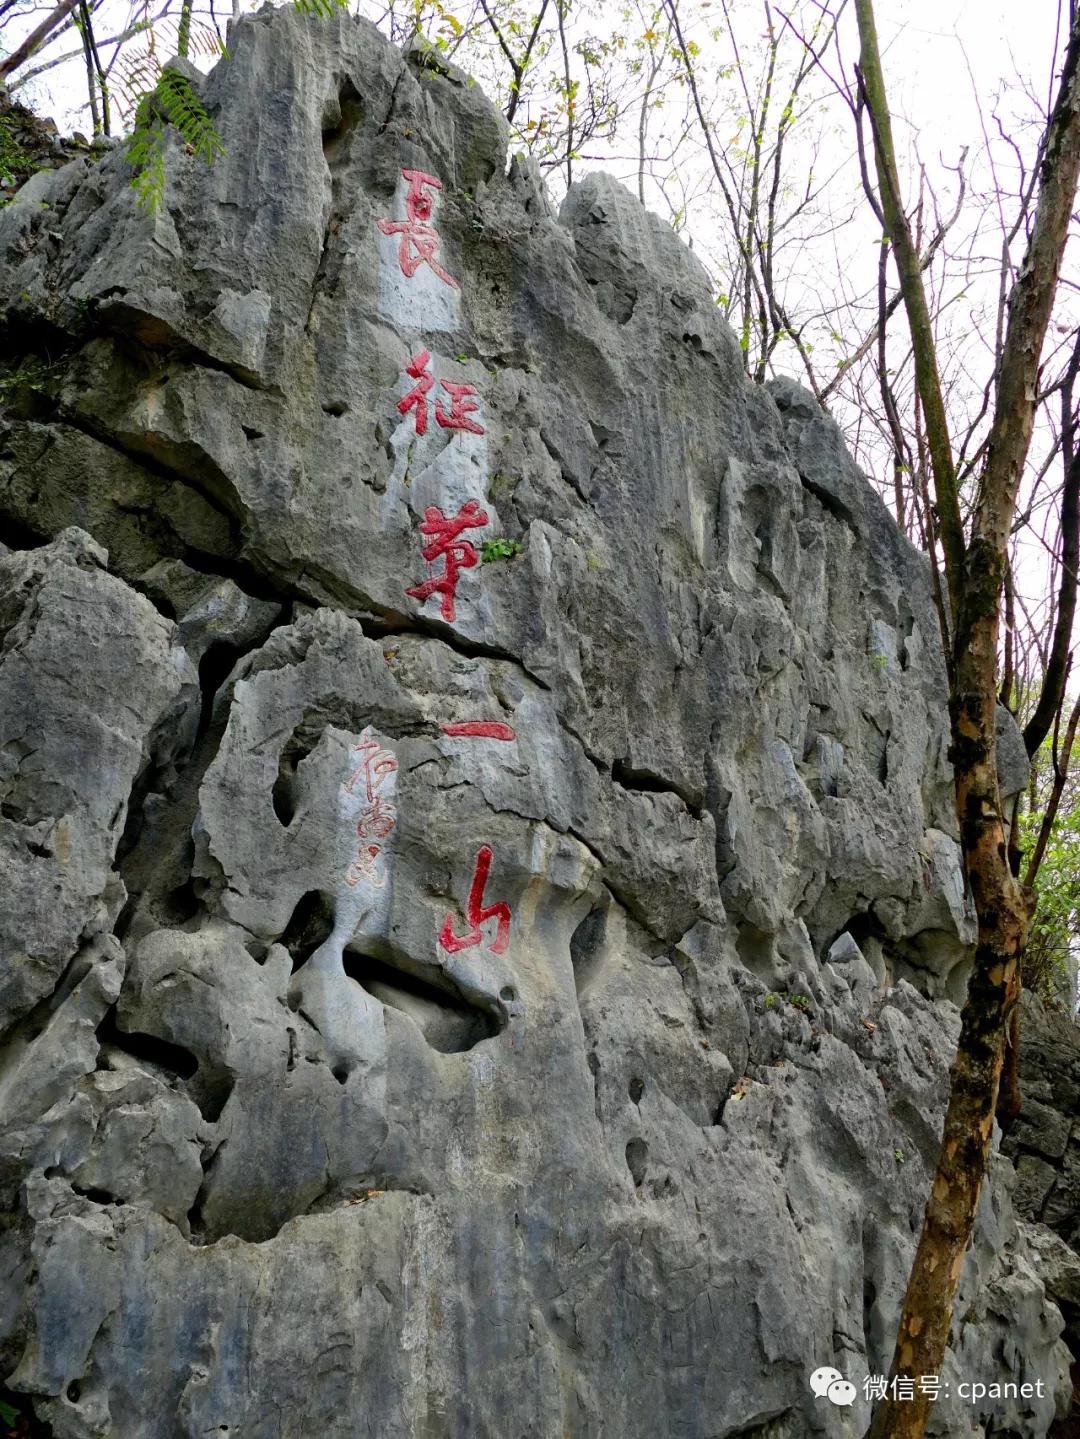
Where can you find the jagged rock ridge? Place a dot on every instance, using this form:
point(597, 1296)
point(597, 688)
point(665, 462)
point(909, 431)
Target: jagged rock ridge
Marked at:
point(446, 997)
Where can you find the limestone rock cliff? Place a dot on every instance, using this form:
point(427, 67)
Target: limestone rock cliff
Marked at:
point(481, 912)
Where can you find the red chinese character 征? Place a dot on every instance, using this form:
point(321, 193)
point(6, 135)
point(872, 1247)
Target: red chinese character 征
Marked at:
point(477, 913)
point(417, 396)
point(459, 554)
point(462, 405)
point(419, 243)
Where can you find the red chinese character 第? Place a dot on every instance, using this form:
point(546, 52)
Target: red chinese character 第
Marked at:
point(419, 242)
point(458, 554)
point(477, 913)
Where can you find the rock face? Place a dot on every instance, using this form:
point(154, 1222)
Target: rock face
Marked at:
point(1044, 1144)
point(452, 987)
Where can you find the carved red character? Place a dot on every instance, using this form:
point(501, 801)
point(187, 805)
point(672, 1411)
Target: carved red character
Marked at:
point(417, 396)
point(419, 205)
point(459, 554)
point(479, 729)
point(477, 913)
point(376, 764)
point(461, 407)
point(378, 816)
point(419, 243)
point(376, 819)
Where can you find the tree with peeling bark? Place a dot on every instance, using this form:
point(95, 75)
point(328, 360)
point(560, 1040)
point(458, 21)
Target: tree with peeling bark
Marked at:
point(974, 562)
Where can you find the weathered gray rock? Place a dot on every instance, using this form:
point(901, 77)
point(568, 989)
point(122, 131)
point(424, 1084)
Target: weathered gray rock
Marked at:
point(283, 1155)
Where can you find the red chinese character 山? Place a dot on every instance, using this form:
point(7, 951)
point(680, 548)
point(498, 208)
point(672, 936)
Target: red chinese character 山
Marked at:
point(419, 241)
point(478, 913)
point(462, 403)
point(458, 554)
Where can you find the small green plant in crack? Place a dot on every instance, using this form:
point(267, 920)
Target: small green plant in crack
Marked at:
point(84, 308)
point(16, 163)
point(797, 1001)
point(899, 1156)
point(500, 484)
point(32, 374)
point(500, 549)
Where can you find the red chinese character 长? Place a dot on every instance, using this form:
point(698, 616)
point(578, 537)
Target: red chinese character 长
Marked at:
point(459, 554)
point(461, 407)
point(418, 204)
point(417, 396)
point(419, 243)
point(476, 913)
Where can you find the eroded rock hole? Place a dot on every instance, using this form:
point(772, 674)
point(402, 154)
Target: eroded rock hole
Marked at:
point(310, 926)
point(636, 1089)
point(208, 1087)
point(298, 746)
point(592, 1059)
point(214, 669)
point(448, 1023)
point(338, 126)
point(158, 1054)
point(26, 1426)
point(637, 1160)
point(587, 948)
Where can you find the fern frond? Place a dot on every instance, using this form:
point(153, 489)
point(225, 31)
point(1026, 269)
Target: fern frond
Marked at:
point(177, 97)
point(172, 101)
point(146, 155)
point(138, 68)
point(323, 9)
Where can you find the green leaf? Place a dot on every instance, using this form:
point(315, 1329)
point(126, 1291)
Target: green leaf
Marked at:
point(500, 549)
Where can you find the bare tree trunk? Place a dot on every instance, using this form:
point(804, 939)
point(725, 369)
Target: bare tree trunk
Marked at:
point(975, 572)
point(183, 30)
point(88, 58)
point(34, 41)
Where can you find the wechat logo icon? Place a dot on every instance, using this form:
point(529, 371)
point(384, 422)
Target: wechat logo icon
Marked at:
point(829, 1383)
